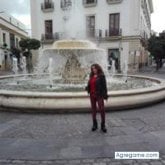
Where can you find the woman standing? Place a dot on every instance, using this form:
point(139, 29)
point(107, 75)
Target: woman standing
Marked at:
point(97, 89)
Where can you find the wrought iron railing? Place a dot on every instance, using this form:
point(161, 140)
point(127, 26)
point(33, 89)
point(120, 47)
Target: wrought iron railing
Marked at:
point(89, 3)
point(52, 36)
point(66, 4)
point(47, 6)
point(113, 32)
point(90, 33)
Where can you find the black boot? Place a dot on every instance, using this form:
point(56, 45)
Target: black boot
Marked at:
point(103, 128)
point(94, 127)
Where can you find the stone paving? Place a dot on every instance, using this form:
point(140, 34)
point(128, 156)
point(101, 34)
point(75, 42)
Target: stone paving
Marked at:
point(66, 139)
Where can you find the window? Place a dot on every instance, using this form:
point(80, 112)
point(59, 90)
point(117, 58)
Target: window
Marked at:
point(90, 1)
point(114, 59)
point(66, 4)
point(12, 40)
point(114, 21)
point(4, 38)
point(49, 29)
point(90, 22)
point(48, 4)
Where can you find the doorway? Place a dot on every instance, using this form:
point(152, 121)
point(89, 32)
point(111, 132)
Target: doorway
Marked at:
point(114, 54)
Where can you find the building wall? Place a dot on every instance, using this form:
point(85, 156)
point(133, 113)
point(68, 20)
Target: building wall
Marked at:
point(133, 23)
point(9, 25)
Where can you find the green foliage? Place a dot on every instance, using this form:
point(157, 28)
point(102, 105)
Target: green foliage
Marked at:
point(15, 51)
point(5, 45)
point(156, 46)
point(29, 44)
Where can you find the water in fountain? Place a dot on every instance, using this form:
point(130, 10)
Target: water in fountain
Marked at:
point(67, 66)
point(113, 69)
point(72, 60)
point(67, 63)
point(74, 25)
point(50, 69)
point(15, 69)
point(15, 65)
point(23, 65)
point(125, 70)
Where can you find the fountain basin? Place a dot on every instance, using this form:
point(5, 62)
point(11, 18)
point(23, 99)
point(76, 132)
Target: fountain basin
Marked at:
point(74, 44)
point(59, 102)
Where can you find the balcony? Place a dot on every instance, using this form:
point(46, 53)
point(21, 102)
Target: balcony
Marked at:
point(49, 38)
point(89, 3)
point(99, 34)
point(114, 1)
point(66, 4)
point(93, 34)
point(47, 7)
point(112, 34)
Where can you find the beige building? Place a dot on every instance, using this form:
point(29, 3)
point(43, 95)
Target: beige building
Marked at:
point(121, 27)
point(11, 32)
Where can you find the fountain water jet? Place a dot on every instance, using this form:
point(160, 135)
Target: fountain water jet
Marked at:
point(15, 66)
point(72, 59)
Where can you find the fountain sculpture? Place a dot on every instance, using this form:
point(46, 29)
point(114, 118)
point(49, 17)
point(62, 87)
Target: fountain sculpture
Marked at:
point(72, 59)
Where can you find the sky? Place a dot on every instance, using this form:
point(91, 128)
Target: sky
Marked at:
point(20, 9)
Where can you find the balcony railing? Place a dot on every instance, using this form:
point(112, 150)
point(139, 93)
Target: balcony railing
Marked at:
point(93, 34)
point(113, 32)
point(66, 4)
point(114, 1)
point(50, 37)
point(104, 34)
point(89, 3)
point(47, 7)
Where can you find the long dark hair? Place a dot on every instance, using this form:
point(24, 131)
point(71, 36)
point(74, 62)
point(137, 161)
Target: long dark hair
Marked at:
point(98, 68)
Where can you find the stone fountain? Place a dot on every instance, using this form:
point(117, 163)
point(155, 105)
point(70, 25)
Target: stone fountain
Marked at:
point(62, 74)
point(72, 59)
point(68, 63)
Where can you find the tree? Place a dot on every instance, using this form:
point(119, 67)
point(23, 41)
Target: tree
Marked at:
point(5, 45)
point(156, 46)
point(27, 45)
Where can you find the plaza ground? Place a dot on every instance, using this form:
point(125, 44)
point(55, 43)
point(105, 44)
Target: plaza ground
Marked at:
point(66, 139)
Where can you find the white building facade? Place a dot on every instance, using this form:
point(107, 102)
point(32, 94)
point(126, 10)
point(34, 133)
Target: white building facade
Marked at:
point(11, 32)
point(121, 27)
